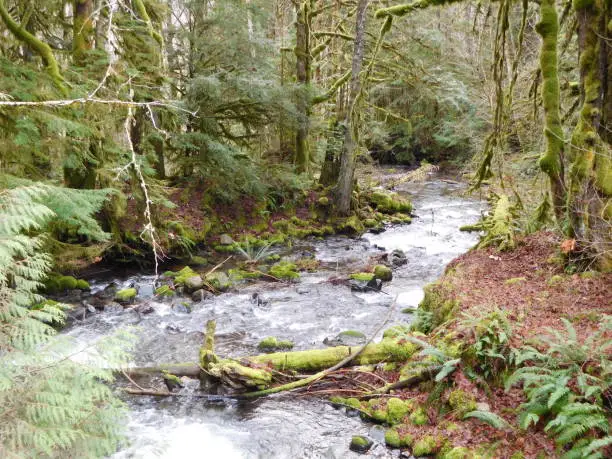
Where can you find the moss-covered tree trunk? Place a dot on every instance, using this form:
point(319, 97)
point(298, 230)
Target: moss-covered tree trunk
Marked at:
point(82, 30)
point(344, 188)
point(551, 161)
point(589, 205)
point(303, 75)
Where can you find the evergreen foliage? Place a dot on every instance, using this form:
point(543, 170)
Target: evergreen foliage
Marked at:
point(51, 405)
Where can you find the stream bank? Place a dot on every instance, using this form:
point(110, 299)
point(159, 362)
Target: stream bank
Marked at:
point(306, 312)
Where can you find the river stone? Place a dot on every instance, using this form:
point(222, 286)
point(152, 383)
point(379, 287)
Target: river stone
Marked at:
point(145, 309)
point(200, 295)
point(194, 283)
point(225, 239)
point(383, 273)
point(398, 258)
point(182, 307)
point(108, 292)
point(113, 308)
point(373, 285)
point(76, 314)
point(360, 444)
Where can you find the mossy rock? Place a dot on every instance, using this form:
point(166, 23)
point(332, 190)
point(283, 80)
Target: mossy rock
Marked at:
point(284, 270)
point(272, 258)
point(397, 409)
point(388, 203)
point(363, 277)
point(350, 225)
point(419, 417)
point(272, 344)
point(393, 439)
point(360, 444)
point(198, 261)
point(181, 276)
point(461, 402)
point(219, 281)
point(323, 201)
point(383, 273)
point(164, 291)
point(67, 283)
point(82, 284)
point(126, 295)
point(426, 446)
point(437, 306)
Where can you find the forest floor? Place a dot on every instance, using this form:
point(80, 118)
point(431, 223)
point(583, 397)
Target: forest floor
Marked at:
point(533, 291)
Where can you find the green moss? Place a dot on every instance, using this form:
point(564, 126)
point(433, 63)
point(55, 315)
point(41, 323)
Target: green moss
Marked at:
point(582, 4)
point(388, 203)
point(169, 274)
point(352, 334)
point(126, 295)
point(426, 446)
point(396, 410)
point(437, 307)
point(458, 452)
point(198, 261)
point(271, 344)
point(164, 290)
point(514, 280)
point(390, 366)
point(370, 223)
point(219, 281)
point(184, 274)
point(517, 455)
point(392, 438)
point(284, 270)
point(67, 283)
point(273, 257)
point(360, 443)
point(353, 403)
point(589, 275)
point(383, 273)
point(419, 417)
point(323, 201)
point(364, 277)
point(397, 331)
point(555, 280)
point(82, 284)
point(350, 225)
point(170, 377)
point(461, 402)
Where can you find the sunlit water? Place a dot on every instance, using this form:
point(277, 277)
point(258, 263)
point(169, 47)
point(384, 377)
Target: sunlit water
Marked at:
point(306, 313)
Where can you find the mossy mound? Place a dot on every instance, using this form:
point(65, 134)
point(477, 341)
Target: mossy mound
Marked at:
point(394, 439)
point(438, 306)
point(397, 331)
point(350, 225)
point(461, 402)
point(419, 417)
point(58, 284)
point(363, 277)
point(272, 344)
point(284, 270)
point(397, 409)
point(383, 273)
point(388, 202)
point(459, 452)
point(426, 446)
point(360, 444)
point(126, 295)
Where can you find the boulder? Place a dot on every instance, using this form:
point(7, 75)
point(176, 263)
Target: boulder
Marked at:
point(126, 295)
point(200, 295)
point(194, 283)
point(383, 273)
point(398, 258)
point(373, 285)
point(225, 239)
point(360, 444)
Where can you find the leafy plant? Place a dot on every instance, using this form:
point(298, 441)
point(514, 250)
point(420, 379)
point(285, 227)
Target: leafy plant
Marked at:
point(565, 387)
point(488, 417)
point(253, 254)
point(50, 405)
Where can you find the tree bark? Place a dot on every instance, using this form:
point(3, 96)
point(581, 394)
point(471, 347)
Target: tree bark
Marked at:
point(344, 187)
point(82, 30)
point(303, 75)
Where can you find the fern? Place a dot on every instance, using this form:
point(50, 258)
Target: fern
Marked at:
point(49, 404)
point(488, 417)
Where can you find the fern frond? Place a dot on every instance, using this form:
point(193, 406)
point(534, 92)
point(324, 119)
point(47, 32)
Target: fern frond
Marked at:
point(490, 418)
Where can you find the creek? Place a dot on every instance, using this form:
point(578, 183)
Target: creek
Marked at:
point(305, 312)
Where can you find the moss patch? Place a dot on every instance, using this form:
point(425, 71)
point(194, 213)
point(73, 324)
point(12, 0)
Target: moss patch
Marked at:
point(271, 344)
point(126, 295)
point(284, 270)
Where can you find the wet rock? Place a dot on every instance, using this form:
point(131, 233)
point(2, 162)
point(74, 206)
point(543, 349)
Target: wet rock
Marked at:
point(225, 239)
point(193, 283)
point(108, 293)
point(200, 295)
point(126, 295)
point(113, 308)
point(360, 444)
point(346, 338)
point(398, 258)
point(383, 273)
point(145, 309)
point(302, 290)
point(174, 329)
point(373, 285)
point(182, 308)
point(172, 381)
point(258, 300)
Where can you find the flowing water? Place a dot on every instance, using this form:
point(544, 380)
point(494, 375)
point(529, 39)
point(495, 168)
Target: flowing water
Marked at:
point(306, 313)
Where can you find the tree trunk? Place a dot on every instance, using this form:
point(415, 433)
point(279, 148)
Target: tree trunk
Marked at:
point(589, 204)
point(303, 75)
point(344, 188)
point(82, 30)
point(551, 161)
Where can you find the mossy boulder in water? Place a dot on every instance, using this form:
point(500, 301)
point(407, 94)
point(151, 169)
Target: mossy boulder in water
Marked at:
point(383, 273)
point(219, 281)
point(164, 291)
point(364, 277)
point(272, 344)
point(360, 444)
point(193, 283)
point(388, 202)
point(82, 284)
point(126, 295)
